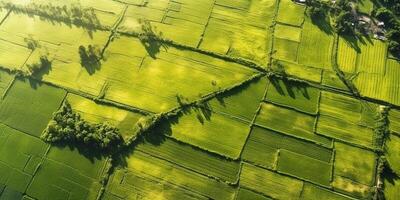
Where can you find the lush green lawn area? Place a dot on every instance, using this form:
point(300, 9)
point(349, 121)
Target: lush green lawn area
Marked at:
point(290, 13)
point(29, 106)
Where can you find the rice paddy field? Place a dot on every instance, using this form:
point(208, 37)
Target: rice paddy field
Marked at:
point(211, 99)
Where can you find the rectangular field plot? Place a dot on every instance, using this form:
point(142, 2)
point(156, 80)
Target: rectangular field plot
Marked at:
point(305, 167)
point(245, 194)
point(392, 189)
point(66, 174)
point(359, 170)
point(331, 79)
point(29, 105)
point(347, 119)
point(20, 156)
point(394, 119)
point(287, 32)
point(263, 145)
point(291, 13)
point(269, 183)
point(286, 50)
point(316, 45)
point(301, 71)
point(240, 32)
point(13, 56)
point(150, 177)
point(181, 21)
point(209, 131)
point(392, 146)
point(5, 82)
point(372, 58)
point(96, 113)
point(294, 95)
point(384, 87)
point(351, 188)
point(346, 56)
point(301, 125)
point(311, 192)
point(194, 159)
point(147, 82)
point(242, 102)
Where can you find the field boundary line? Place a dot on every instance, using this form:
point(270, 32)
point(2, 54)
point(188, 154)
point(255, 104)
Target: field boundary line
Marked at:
point(9, 85)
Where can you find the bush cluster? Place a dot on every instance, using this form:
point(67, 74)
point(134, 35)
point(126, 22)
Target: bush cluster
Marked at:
point(68, 126)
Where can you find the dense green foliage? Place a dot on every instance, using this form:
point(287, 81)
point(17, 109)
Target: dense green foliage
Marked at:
point(68, 126)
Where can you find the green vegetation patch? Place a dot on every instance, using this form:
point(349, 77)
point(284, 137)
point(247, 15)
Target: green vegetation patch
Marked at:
point(301, 125)
point(5, 82)
point(20, 156)
point(290, 13)
point(351, 188)
point(392, 189)
point(358, 170)
point(67, 174)
point(150, 177)
point(208, 130)
point(191, 158)
point(331, 79)
point(346, 56)
point(295, 95)
point(305, 167)
point(392, 152)
point(29, 105)
point(300, 71)
point(394, 118)
point(287, 32)
point(372, 58)
point(315, 48)
point(93, 112)
point(312, 192)
point(341, 117)
point(269, 183)
point(285, 49)
point(245, 194)
point(242, 102)
point(13, 56)
point(263, 145)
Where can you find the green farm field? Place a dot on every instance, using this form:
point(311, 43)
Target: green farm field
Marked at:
point(197, 99)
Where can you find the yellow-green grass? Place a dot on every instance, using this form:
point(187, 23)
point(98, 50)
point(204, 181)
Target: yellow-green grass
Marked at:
point(372, 58)
point(3, 14)
point(270, 183)
point(285, 49)
point(287, 32)
point(301, 125)
point(315, 48)
point(194, 159)
point(9, 193)
point(20, 156)
point(97, 113)
point(211, 131)
point(13, 56)
point(304, 167)
point(152, 178)
point(365, 6)
point(5, 81)
point(241, 102)
point(394, 118)
point(312, 192)
point(263, 145)
point(346, 56)
point(331, 79)
point(392, 146)
point(384, 87)
point(240, 32)
point(290, 13)
point(29, 106)
point(245, 194)
point(351, 188)
point(355, 163)
point(59, 180)
point(392, 189)
point(341, 117)
point(343, 130)
point(302, 71)
point(294, 95)
point(153, 84)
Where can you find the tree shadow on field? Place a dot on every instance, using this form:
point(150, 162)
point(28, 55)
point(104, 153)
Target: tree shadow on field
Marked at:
point(90, 58)
point(91, 154)
point(322, 23)
point(291, 88)
point(151, 39)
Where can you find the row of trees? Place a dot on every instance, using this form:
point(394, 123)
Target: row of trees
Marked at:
point(392, 24)
point(68, 127)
